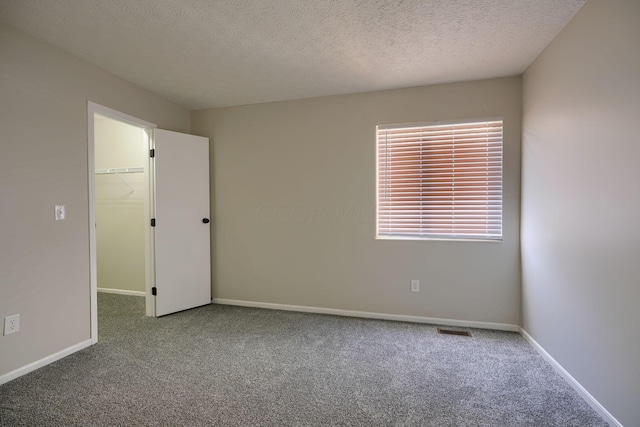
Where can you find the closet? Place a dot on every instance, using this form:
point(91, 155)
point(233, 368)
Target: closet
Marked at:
point(121, 153)
point(149, 201)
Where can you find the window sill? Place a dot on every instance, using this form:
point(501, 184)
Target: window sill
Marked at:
point(439, 239)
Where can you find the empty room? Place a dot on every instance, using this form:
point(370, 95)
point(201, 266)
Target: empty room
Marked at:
point(319, 213)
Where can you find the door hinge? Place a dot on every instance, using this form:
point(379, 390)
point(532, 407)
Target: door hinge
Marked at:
point(152, 152)
point(153, 222)
point(154, 291)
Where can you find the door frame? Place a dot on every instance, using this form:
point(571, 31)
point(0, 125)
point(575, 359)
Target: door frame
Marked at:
point(92, 110)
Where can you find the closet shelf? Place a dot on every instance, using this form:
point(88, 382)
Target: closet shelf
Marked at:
point(117, 171)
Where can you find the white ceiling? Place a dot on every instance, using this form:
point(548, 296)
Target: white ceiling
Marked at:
point(214, 53)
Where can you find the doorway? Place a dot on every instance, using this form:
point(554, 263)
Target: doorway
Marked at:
point(120, 195)
point(174, 182)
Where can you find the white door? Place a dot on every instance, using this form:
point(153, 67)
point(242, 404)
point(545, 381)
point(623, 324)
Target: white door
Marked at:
point(181, 233)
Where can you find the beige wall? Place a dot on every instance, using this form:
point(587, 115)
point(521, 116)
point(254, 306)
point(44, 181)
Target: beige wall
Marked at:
point(120, 215)
point(294, 203)
point(44, 265)
point(581, 203)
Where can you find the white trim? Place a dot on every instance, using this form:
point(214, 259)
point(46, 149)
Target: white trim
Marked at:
point(92, 110)
point(117, 115)
point(43, 362)
point(572, 382)
point(441, 123)
point(93, 260)
point(122, 292)
point(439, 239)
point(149, 232)
point(369, 315)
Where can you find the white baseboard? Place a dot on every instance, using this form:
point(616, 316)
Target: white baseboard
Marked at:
point(43, 362)
point(122, 292)
point(572, 382)
point(369, 315)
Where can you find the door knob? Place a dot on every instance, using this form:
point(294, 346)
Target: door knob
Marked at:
point(205, 220)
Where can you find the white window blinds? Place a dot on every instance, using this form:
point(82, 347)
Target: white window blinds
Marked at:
point(440, 180)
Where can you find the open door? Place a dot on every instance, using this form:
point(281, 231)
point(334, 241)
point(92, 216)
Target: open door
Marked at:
point(180, 165)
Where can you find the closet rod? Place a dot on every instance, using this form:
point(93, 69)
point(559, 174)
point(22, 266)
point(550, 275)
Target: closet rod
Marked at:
point(117, 171)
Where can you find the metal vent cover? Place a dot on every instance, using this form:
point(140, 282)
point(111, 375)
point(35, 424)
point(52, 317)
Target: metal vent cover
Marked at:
point(454, 332)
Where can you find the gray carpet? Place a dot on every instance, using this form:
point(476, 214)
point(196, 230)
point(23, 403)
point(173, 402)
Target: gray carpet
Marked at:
point(232, 366)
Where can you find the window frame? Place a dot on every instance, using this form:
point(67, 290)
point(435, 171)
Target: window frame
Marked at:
point(441, 236)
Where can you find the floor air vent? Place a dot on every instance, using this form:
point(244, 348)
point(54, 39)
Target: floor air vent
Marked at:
point(454, 332)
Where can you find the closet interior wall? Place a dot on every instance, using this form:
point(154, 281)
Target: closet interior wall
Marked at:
point(120, 186)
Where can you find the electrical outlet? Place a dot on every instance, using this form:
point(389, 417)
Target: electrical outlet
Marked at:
point(11, 324)
point(415, 285)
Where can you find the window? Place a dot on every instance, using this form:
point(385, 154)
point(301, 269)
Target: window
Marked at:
point(440, 180)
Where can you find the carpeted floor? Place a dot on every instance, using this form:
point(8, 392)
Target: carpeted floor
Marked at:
point(233, 366)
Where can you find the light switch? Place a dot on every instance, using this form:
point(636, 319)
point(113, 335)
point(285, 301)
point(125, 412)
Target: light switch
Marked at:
point(60, 212)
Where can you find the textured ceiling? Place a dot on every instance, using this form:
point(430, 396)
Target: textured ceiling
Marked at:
point(206, 53)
